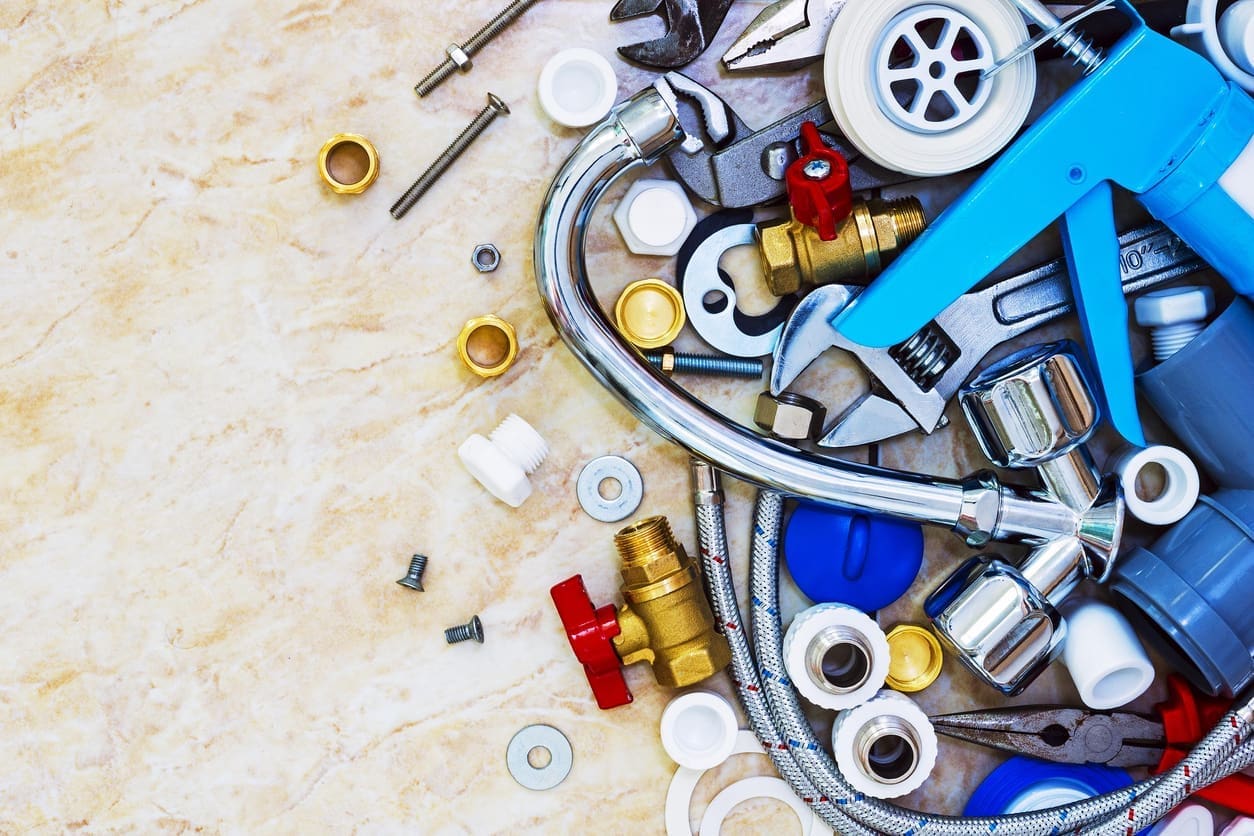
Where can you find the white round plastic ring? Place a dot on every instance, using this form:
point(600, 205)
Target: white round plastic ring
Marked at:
point(577, 88)
point(684, 784)
point(1180, 490)
point(904, 81)
point(759, 787)
point(836, 656)
point(699, 730)
point(886, 747)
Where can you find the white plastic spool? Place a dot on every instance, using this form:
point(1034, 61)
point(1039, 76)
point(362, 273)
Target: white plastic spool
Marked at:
point(1228, 42)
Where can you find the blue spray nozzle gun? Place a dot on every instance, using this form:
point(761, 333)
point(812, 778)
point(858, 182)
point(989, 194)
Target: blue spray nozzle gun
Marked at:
point(1154, 118)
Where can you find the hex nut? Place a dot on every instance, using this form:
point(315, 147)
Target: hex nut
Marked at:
point(1174, 306)
point(655, 217)
point(789, 417)
point(485, 258)
point(488, 346)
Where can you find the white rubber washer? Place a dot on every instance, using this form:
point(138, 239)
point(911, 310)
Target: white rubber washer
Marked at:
point(1179, 493)
point(836, 656)
point(684, 784)
point(886, 747)
point(904, 100)
point(759, 787)
point(1227, 41)
point(699, 730)
point(577, 88)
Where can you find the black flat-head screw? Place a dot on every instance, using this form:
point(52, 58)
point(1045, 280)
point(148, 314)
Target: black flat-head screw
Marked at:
point(472, 629)
point(413, 578)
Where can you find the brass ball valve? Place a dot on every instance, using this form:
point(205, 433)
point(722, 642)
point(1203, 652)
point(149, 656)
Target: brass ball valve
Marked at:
point(664, 621)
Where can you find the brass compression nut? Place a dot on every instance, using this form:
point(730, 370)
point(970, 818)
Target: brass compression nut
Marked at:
point(488, 345)
point(794, 256)
point(666, 620)
point(348, 163)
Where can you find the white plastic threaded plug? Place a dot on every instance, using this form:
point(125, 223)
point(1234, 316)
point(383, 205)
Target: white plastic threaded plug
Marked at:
point(1175, 317)
point(503, 461)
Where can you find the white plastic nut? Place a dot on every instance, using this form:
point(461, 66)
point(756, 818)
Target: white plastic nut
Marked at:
point(577, 87)
point(1174, 306)
point(699, 730)
point(836, 656)
point(503, 461)
point(1180, 489)
point(1188, 820)
point(1103, 655)
point(885, 748)
point(655, 217)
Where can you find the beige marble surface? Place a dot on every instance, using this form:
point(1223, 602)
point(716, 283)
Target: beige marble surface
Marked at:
point(229, 409)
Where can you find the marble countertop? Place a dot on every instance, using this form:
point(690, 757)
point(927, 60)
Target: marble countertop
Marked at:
point(230, 404)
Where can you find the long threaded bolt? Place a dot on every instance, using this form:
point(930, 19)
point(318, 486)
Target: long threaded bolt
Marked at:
point(445, 161)
point(459, 55)
point(472, 629)
point(714, 365)
point(413, 578)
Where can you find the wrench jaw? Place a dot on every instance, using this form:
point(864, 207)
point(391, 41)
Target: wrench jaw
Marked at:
point(807, 333)
point(872, 418)
point(690, 27)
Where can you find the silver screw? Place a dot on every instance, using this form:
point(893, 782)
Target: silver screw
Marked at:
point(714, 365)
point(1071, 42)
point(445, 161)
point(817, 170)
point(459, 55)
point(413, 578)
point(472, 629)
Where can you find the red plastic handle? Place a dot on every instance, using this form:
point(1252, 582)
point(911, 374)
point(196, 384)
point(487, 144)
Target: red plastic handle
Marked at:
point(819, 201)
point(1187, 718)
point(590, 632)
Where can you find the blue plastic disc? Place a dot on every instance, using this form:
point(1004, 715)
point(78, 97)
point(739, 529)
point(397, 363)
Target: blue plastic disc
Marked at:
point(1024, 784)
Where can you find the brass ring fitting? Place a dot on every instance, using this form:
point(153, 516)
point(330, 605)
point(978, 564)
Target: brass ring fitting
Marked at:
point(348, 163)
point(488, 345)
point(650, 313)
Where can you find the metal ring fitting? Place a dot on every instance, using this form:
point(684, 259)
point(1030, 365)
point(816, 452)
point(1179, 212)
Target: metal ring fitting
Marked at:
point(488, 345)
point(650, 313)
point(348, 163)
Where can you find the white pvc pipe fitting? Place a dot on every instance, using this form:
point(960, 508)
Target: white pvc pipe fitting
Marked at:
point(1188, 820)
point(577, 88)
point(1241, 826)
point(1179, 494)
point(1103, 655)
point(836, 656)
point(886, 747)
point(699, 730)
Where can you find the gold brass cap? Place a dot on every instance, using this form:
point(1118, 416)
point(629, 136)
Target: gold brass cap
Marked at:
point(650, 313)
point(488, 345)
point(914, 658)
point(348, 163)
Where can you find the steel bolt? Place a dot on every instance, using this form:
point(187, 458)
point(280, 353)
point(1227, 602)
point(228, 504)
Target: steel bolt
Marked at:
point(1175, 317)
point(817, 170)
point(445, 161)
point(472, 629)
point(459, 55)
point(413, 578)
point(713, 365)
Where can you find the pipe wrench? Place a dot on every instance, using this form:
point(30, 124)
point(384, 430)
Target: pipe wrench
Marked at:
point(913, 381)
point(1153, 118)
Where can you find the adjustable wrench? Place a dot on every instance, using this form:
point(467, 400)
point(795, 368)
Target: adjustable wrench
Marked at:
point(690, 27)
point(914, 380)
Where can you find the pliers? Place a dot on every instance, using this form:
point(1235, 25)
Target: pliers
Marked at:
point(786, 35)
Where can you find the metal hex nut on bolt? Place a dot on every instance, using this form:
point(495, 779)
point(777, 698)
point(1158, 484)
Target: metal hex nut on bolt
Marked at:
point(789, 417)
point(485, 258)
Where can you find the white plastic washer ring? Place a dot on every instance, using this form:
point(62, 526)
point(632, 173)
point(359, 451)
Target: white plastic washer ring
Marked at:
point(1179, 494)
point(699, 729)
point(884, 772)
point(853, 75)
point(577, 87)
point(616, 469)
point(859, 668)
point(759, 787)
point(539, 737)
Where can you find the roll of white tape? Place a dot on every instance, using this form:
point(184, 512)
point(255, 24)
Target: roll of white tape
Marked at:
point(699, 730)
point(1180, 490)
point(836, 656)
point(885, 748)
point(1103, 655)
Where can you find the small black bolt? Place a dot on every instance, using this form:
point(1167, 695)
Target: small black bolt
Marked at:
point(413, 578)
point(473, 629)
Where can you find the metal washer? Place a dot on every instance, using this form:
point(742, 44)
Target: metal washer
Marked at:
point(546, 777)
point(589, 488)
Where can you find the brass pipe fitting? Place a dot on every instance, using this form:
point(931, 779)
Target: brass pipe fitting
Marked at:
point(488, 345)
point(794, 256)
point(666, 620)
point(348, 163)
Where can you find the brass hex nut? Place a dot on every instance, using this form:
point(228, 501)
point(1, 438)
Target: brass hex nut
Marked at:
point(779, 257)
point(488, 345)
point(789, 417)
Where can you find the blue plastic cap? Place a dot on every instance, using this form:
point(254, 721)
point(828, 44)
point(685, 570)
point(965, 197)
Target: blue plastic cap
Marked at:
point(849, 558)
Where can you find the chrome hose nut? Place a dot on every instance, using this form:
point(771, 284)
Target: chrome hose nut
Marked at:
point(789, 416)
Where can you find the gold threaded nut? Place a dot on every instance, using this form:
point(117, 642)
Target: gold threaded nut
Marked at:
point(348, 163)
point(649, 552)
point(488, 346)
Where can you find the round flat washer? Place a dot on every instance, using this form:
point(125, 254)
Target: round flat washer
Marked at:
point(539, 737)
point(619, 470)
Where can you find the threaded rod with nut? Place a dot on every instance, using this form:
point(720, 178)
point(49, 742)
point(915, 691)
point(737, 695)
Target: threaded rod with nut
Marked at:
point(459, 55)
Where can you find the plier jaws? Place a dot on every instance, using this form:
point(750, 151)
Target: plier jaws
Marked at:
point(1061, 735)
point(786, 35)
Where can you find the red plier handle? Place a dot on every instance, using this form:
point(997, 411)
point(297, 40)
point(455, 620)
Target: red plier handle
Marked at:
point(1187, 718)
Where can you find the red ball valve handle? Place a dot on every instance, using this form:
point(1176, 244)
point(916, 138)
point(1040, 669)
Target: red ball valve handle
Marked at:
point(1187, 718)
point(590, 632)
point(818, 185)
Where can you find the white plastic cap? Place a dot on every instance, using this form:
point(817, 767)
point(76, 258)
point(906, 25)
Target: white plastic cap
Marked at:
point(655, 217)
point(577, 88)
point(1104, 657)
point(1236, 33)
point(885, 748)
point(1188, 820)
point(699, 730)
point(502, 463)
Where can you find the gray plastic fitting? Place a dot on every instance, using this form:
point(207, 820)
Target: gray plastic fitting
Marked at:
point(1189, 593)
point(1203, 393)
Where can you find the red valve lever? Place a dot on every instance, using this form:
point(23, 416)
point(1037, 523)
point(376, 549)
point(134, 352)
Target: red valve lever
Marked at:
point(590, 631)
point(818, 185)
